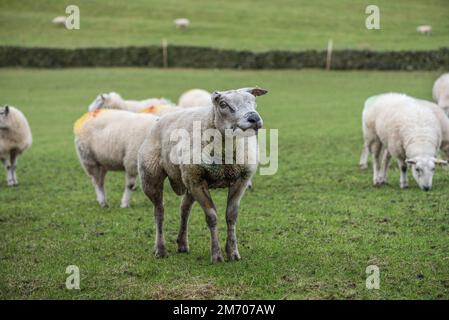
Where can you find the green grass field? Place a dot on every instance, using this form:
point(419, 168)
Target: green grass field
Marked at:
point(307, 232)
point(253, 24)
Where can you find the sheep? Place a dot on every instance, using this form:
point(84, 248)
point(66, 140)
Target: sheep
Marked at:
point(182, 23)
point(109, 140)
point(159, 157)
point(424, 29)
point(15, 138)
point(409, 130)
point(195, 98)
point(60, 21)
point(441, 92)
point(113, 100)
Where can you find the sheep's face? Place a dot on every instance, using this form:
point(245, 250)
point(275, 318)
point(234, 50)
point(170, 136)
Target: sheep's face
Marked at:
point(97, 104)
point(423, 169)
point(4, 119)
point(111, 100)
point(236, 109)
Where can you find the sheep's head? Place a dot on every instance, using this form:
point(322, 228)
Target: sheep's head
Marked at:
point(236, 109)
point(97, 103)
point(4, 117)
point(106, 100)
point(423, 169)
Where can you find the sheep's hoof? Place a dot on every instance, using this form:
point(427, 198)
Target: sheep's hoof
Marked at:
point(363, 166)
point(404, 186)
point(161, 253)
point(183, 248)
point(379, 182)
point(217, 257)
point(124, 205)
point(234, 256)
point(12, 183)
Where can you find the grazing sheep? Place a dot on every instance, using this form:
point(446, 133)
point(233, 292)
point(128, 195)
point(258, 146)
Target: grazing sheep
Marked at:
point(182, 23)
point(113, 100)
point(441, 92)
point(60, 21)
point(409, 131)
point(160, 157)
point(195, 98)
point(15, 138)
point(109, 140)
point(425, 29)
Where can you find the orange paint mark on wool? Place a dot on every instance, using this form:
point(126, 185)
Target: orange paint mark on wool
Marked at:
point(153, 108)
point(88, 115)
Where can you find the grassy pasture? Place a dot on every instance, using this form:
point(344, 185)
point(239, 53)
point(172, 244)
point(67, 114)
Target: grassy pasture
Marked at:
point(307, 232)
point(252, 24)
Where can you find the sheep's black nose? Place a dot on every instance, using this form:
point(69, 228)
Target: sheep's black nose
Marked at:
point(255, 120)
point(426, 188)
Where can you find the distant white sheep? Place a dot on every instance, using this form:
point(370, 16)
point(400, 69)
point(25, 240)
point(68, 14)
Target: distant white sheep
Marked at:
point(15, 138)
point(182, 23)
point(195, 98)
point(425, 29)
point(60, 21)
point(441, 92)
point(114, 100)
point(409, 130)
point(109, 140)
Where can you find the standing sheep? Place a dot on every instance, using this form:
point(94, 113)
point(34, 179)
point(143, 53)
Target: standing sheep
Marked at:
point(113, 100)
point(441, 92)
point(15, 138)
point(195, 98)
point(409, 131)
point(109, 140)
point(160, 157)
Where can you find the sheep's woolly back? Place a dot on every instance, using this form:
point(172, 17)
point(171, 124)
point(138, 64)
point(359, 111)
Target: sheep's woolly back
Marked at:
point(441, 91)
point(88, 115)
point(195, 98)
point(17, 135)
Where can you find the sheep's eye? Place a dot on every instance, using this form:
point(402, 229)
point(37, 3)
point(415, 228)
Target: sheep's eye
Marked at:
point(223, 104)
point(418, 170)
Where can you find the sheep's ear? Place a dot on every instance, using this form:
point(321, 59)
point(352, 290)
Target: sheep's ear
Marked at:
point(102, 96)
point(410, 161)
point(441, 162)
point(6, 110)
point(256, 91)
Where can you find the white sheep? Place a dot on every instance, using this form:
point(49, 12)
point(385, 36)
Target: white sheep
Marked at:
point(441, 92)
point(109, 140)
point(182, 23)
point(195, 98)
point(15, 138)
point(424, 29)
point(161, 157)
point(113, 100)
point(60, 21)
point(408, 130)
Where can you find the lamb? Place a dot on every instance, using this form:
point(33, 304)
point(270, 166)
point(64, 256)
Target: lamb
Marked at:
point(160, 157)
point(441, 92)
point(109, 140)
point(195, 98)
point(409, 131)
point(15, 138)
point(60, 21)
point(182, 23)
point(113, 100)
point(424, 29)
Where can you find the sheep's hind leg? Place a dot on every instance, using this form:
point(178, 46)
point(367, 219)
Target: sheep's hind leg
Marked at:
point(202, 195)
point(403, 182)
point(130, 186)
point(186, 206)
point(98, 174)
point(376, 150)
point(236, 192)
point(386, 158)
point(363, 163)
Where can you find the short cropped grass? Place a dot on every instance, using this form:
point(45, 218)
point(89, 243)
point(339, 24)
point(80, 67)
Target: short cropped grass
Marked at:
point(307, 232)
point(250, 24)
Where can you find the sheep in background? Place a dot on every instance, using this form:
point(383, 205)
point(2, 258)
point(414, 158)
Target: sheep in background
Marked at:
point(195, 98)
point(113, 100)
point(409, 131)
point(109, 140)
point(60, 21)
point(231, 109)
point(425, 29)
point(15, 138)
point(441, 92)
point(182, 23)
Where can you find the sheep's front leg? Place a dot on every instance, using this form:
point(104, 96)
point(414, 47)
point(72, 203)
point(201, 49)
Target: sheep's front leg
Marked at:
point(202, 195)
point(363, 163)
point(130, 186)
point(403, 182)
point(186, 206)
point(9, 175)
point(236, 192)
point(13, 168)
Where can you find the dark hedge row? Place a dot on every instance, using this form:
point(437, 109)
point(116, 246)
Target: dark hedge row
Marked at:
point(199, 57)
